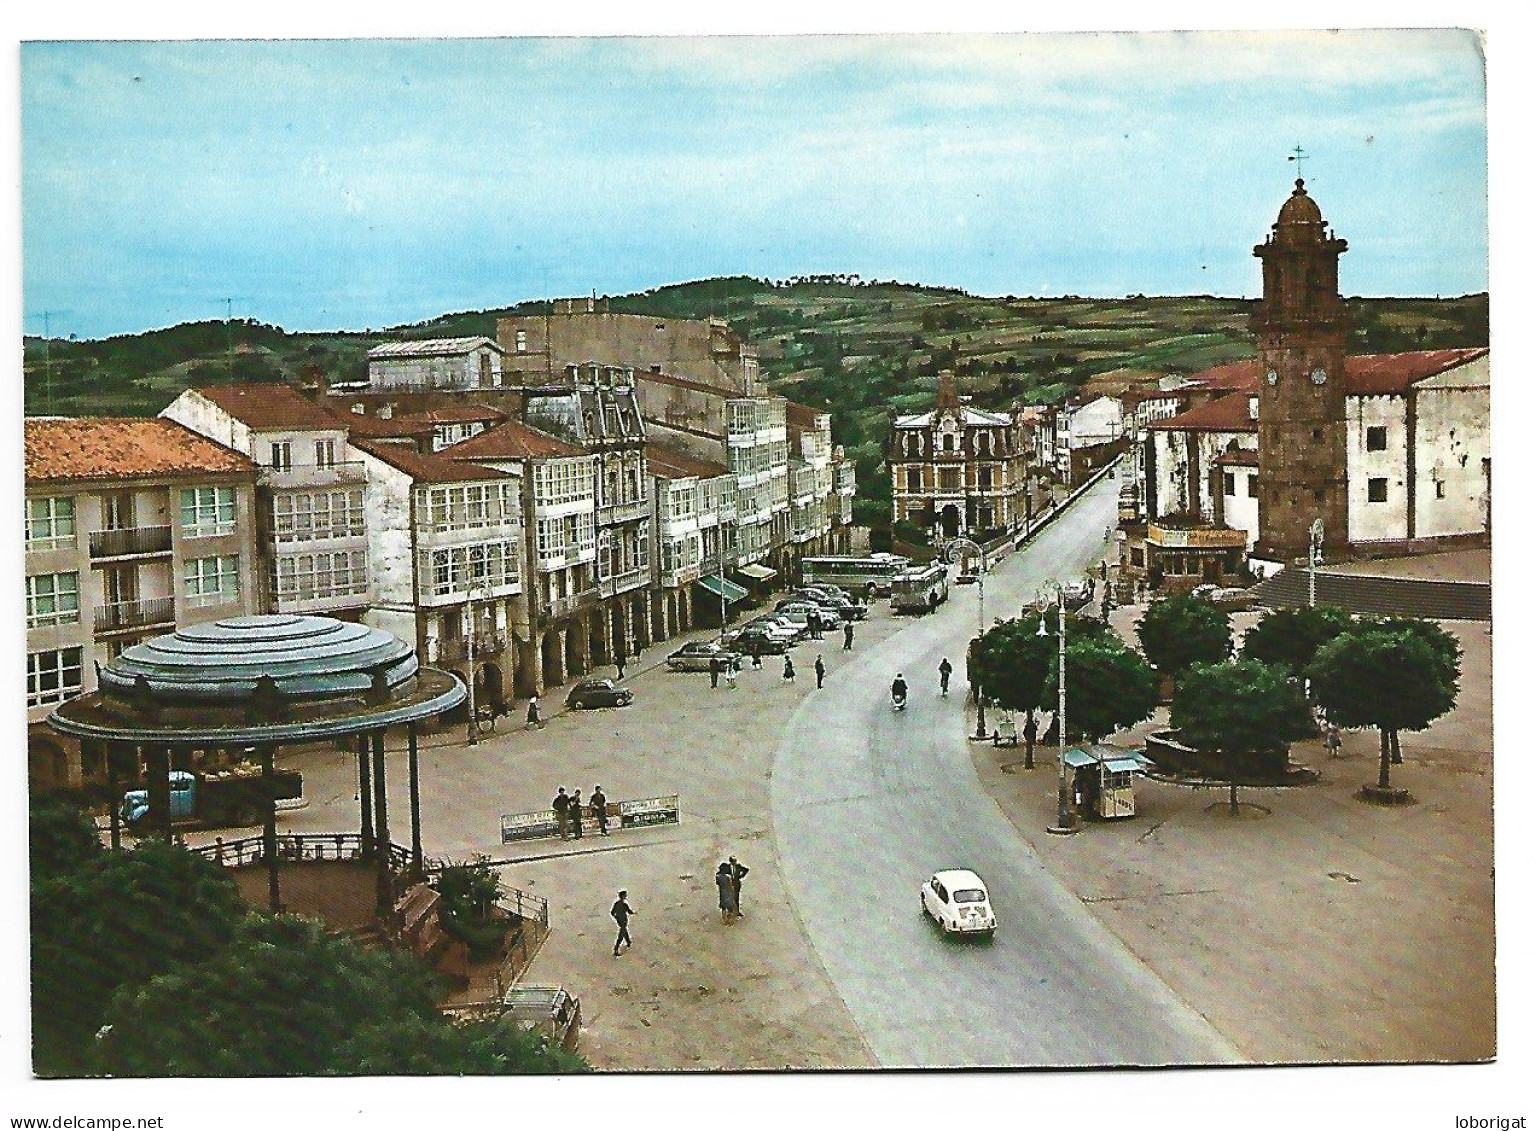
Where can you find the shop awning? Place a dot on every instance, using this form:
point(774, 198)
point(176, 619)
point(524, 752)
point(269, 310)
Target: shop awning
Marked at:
point(756, 572)
point(731, 591)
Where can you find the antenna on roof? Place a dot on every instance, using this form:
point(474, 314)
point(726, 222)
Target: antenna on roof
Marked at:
point(48, 359)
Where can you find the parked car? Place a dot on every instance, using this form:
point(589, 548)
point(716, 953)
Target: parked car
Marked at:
point(781, 627)
point(599, 693)
point(797, 610)
point(965, 579)
point(755, 641)
point(1234, 600)
point(696, 657)
point(839, 607)
point(957, 901)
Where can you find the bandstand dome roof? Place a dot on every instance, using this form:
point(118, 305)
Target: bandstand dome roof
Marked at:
point(252, 680)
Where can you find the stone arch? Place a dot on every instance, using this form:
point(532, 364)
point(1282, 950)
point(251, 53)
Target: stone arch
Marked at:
point(554, 658)
point(493, 688)
point(949, 521)
point(574, 649)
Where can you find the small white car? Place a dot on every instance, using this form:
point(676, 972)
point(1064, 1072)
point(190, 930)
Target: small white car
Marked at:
point(957, 901)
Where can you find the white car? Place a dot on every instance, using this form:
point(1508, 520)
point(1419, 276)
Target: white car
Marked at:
point(957, 901)
point(779, 628)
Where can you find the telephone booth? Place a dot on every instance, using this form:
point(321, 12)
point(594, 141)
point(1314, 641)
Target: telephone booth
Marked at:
point(1104, 780)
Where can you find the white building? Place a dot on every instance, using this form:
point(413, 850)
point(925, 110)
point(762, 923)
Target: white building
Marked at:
point(435, 363)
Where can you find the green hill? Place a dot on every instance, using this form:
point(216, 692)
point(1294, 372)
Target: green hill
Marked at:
point(862, 349)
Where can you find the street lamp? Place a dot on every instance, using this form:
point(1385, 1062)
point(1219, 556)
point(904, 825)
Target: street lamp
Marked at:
point(1314, 556)
point(1066, 821)
point(961, 546)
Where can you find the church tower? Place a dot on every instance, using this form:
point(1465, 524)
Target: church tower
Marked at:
point(1301, 328)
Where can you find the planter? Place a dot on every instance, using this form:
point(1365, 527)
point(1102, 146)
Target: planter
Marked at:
point(1257, 767)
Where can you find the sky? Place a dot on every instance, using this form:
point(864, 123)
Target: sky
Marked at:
point(358, 184)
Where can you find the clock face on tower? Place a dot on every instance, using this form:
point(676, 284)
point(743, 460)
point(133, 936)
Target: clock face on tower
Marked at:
point(1319, 376)
point(1272, 377)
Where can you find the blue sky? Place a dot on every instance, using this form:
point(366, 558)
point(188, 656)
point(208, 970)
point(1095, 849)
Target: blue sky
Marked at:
point(356, 184)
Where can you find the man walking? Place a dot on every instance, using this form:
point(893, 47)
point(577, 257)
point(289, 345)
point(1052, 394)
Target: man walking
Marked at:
point(789, 670)
point(619, 660)
point(621, 911)
point(562, 807)
point(600, 809)
point(821, 672)
point(757, 660)
point(714, 671)
point(738, 870)
point(946, 669)
point(575, 812)
point(848, 636)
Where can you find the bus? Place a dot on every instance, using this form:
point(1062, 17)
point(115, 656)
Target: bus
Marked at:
point(920, 589)
point(862, 577)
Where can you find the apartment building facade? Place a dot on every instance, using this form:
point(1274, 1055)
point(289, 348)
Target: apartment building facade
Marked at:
point(132, 528)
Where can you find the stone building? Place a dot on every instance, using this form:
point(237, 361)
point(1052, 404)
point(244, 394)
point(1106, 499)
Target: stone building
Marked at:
point(435, 364)
point(133, 527)
point(958, 470)
point(695, 519)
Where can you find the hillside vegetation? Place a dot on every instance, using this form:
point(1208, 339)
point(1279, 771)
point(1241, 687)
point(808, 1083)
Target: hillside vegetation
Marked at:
point(865, 350)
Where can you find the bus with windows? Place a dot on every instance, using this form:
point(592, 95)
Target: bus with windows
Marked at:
point(920, 589)
point(861, 577)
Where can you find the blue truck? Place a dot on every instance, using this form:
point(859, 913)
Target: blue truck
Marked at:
point(218, 800)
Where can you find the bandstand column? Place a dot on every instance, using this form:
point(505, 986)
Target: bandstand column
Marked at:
point(384, 892)
point(365, 795)
point(415, 770)
point(157, 768)
point(112, 751)
point(269, 827)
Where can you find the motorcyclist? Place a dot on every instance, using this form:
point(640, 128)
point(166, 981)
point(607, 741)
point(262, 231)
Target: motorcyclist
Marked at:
point(945, 669)
point(899, 690)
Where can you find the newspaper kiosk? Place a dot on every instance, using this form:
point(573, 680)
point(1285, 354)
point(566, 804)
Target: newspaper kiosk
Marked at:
point(1103, 780)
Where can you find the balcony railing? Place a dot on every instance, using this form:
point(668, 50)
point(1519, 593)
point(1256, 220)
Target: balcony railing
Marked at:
point(621, 582)
point(314, 475)
point(486, 644)
point(611, 513)
point(130, 541)
point(135, 614)
point(564, 606)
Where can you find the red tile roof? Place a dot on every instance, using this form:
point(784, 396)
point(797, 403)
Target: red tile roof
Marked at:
point(67, 449)
point(1242, 457)
point(1372, 374)
point(435, 468)
point(269, 405)
point(419, 423)
point(798, 415)
point(670, 463)
point(512, 440)
point(1224, 414)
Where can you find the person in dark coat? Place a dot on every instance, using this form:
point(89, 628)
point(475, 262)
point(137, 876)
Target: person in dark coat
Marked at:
point(621, 911)
point(789, 670)
point(946, 669)
point(714, 671)
point(848, 637)
point(600, 809)
point(576, 814)
point(821, 672)
point(757, 661)
point(562, 807)
point(533, 713)
point(738, 872)
point(725, 883)
point(619, 660)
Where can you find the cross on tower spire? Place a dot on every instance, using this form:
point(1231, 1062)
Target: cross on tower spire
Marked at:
point(1298, 155)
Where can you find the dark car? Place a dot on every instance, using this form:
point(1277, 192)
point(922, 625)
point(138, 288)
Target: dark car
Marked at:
point(757, 643)
point(836, 606)
point(599, 693)
point(696, 657)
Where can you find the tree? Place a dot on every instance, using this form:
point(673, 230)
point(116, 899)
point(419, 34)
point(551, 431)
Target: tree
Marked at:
point(1290, 638)
point(117, 921)
point(282, 999)
point(1109, 687)
point(1179, 632)
point(418, 1046)
point(1392, 675)
point(1233, 709)
point(60, 837)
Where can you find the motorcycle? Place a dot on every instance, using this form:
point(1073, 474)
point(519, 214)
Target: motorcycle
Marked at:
point(898, 702)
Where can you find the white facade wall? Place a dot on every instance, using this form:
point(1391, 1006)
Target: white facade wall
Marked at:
point(1177, 488)
point(477, 368)
point(1240, 506)
point(1453, 424)
point(1388, 519)
point(390, 556)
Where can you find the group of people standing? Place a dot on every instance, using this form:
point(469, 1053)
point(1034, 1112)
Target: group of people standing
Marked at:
point(728, 879)
point(569, 807)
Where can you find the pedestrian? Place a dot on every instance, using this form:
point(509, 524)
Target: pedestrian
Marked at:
point(789, 670)
point(1104, 570)
point(1107, 605)
point(575, 812)
point(619, 660)
point(946, 669)
point(725, 884)
point(714, 671)
point(848, 637)
point(729, 668)
point(821, 672)
point(1331, 740)
point(738, 870)
point(757, 661)
point(621, 911)
point(600, 809)
point(533, 713)
point(562, 807)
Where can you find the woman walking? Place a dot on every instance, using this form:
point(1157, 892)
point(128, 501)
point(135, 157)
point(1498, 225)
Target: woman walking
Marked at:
point(726, 883)
point(789, 670)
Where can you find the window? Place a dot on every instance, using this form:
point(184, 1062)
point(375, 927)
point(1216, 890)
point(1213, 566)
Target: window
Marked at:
point(207, 511)
point(1376, 439)
point(984, 477)
point(53, 677)
point(469, 506)
point(520, 342)
point(1376, 490)
point(307, 577)
point(949, 479)
point(1228, 483)
point(280, 456)
point(212, 581)
point(949, 443)
point(1439, 488)
point(459, 569)
point(50, 523)
point(1253, 486)
point(914, 479)
point(53, 598)
point(305, 516)
point(325, 453)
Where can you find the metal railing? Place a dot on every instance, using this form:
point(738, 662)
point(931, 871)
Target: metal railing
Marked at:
point(621, 582)
point(610, 513)
point(135, 614)
point(486, 644)
point(314, 474)
point(130, 541)
point(297, 847)
point(558, 607)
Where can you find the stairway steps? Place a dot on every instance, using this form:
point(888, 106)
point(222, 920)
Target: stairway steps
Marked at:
point(1383, 596)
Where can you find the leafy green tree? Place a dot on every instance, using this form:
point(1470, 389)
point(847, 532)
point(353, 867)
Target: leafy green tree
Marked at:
point(1179, 632)
point(1394, 676)
point(1289, 638)
point(60, 837)
point(416, 1046)
point(1234, 709)
point(117, 921)
point(282, 999)
point(1109, 687)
